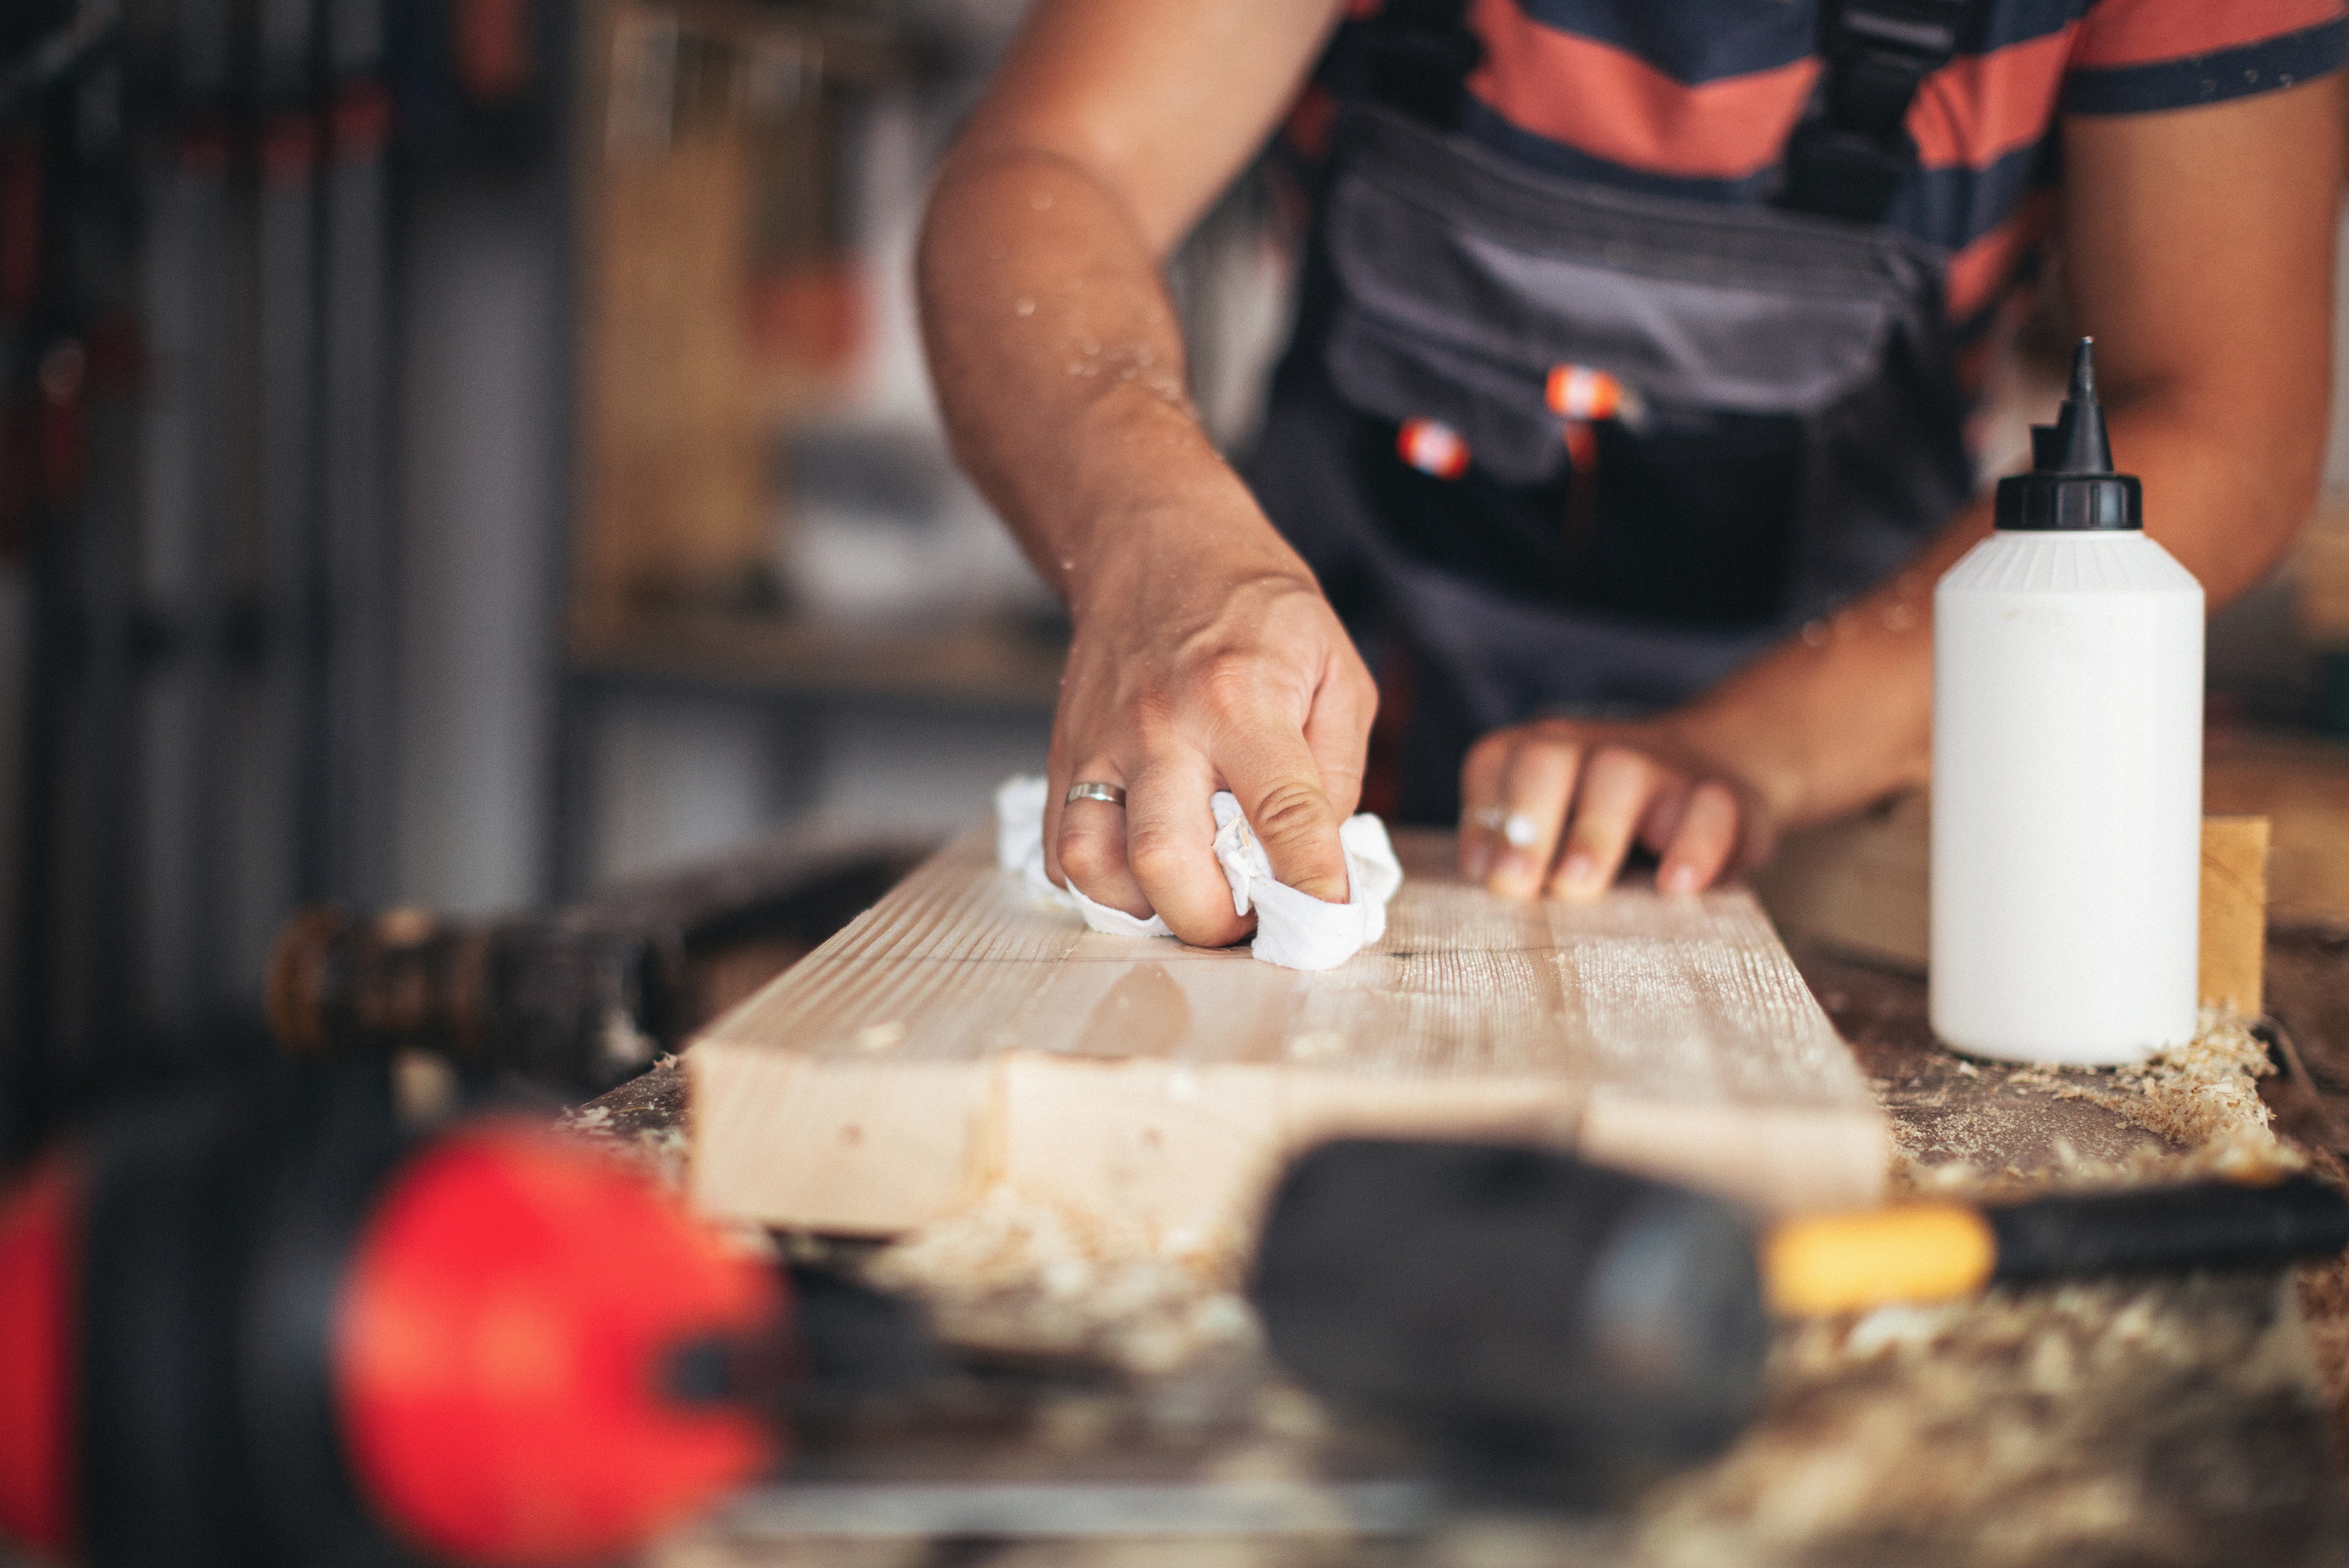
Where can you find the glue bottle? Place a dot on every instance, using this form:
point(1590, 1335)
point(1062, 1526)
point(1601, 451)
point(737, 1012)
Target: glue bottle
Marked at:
point(2067, 767)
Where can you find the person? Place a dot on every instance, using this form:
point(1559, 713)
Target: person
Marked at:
point(1626, 411)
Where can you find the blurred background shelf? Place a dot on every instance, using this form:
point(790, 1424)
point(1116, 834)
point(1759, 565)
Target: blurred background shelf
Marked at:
point(992, 662)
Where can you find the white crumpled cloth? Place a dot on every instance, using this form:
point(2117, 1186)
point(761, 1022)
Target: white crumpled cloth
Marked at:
point(1294, 930)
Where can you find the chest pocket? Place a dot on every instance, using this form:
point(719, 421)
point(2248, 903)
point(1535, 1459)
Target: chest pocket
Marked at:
point(1780, 416)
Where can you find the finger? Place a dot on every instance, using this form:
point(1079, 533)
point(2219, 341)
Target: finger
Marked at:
point(1706, 840)
point(1170, 846)
point(1482, 775)
point(1540, 782)
point(1665, 808)
point(1091, 847)
point(1617, 783)
point(1273, 775)
point(1337, 734)
point(1057, 778)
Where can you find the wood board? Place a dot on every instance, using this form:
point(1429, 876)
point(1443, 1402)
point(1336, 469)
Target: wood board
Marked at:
point(961, 1035)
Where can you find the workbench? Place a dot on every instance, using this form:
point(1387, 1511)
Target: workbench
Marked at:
point(1117, 1419)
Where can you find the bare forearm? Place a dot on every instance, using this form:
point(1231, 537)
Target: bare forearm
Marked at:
point(1842, 713)
point(1058, 364)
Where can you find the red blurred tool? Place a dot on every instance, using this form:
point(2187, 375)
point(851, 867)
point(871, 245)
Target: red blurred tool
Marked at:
point(277, 1332)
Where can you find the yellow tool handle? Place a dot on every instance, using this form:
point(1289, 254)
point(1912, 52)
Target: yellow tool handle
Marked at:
point(1847, 1263)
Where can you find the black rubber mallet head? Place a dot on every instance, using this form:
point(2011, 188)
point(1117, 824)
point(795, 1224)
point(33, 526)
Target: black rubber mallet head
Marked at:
point(1557, 1328)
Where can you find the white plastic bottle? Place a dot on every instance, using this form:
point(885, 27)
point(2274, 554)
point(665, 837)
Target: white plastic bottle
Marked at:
point(2067, 768)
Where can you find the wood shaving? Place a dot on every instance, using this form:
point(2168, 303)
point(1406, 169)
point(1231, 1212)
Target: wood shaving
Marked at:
point(2202, 1096)
point(2129, 1421)
point(2096, 1423)
point(2201, 1100)
point(1017, 1275)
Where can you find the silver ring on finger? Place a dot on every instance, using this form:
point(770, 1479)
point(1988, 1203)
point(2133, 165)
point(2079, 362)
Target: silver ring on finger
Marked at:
point(1516, 827)
point(1107, 794)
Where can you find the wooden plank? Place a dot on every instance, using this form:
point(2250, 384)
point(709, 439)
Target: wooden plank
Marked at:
point(960, 1035)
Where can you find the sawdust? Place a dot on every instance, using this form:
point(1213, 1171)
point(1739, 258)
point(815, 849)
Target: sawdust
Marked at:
point(2201, 1099)
point(1017, 1275)
point(642, 1123)
point(2120, 1421)
point(2202, 1096)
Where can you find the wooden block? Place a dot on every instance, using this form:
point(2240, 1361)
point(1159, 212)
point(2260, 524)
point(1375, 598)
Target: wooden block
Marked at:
point(2234, 912)
point(961, 1034)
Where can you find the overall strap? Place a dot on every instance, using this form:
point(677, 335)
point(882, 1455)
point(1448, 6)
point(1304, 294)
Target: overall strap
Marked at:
point(1851, 150)
point(1418, 55)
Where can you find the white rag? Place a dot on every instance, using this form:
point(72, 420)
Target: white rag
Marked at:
point(1294, 930)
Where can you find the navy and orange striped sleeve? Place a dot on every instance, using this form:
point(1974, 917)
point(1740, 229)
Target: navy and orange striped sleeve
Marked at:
point(2136, 56)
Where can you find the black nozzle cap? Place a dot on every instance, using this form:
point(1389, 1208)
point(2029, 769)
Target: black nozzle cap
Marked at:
point(2071, 485)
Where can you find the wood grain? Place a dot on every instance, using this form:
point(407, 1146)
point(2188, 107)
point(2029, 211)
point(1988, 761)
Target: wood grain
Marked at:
point(959, 1034)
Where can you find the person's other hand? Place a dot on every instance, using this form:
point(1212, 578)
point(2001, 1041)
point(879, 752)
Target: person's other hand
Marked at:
point(1192, 670)
point(1553, 808)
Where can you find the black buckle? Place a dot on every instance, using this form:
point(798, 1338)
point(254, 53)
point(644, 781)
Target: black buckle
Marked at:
point(1847, 157)
point(1419, 54)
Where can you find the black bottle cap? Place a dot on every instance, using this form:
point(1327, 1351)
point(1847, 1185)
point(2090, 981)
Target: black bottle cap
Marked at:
point(2071, 485)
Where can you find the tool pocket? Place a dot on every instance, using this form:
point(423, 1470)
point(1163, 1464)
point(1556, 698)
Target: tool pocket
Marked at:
point(1645, 407)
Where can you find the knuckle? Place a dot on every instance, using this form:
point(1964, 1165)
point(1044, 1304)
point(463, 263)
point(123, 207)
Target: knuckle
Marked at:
point(1719, 797)
point(1154, 855)
point(1531, 743)
point(1290, 808)
point(1492, 750)
point(1086, 856)
point(1230, 683)
point(1152, 716)
point(1620, 767)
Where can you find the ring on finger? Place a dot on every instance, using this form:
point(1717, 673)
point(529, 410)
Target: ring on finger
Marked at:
point(1107, 794)
point(1514, 827)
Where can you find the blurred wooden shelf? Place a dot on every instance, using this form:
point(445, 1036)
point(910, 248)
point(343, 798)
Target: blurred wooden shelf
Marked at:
point(993, 663)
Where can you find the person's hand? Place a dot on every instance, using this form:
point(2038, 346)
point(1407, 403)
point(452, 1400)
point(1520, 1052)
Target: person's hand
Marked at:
point(1553, 808)
point(1195, 669)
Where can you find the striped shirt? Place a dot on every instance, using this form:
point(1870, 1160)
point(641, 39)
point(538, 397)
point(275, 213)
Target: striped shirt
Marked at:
point(1696, 98)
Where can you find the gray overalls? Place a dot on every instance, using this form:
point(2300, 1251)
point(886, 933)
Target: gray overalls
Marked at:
point(1786, 427)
